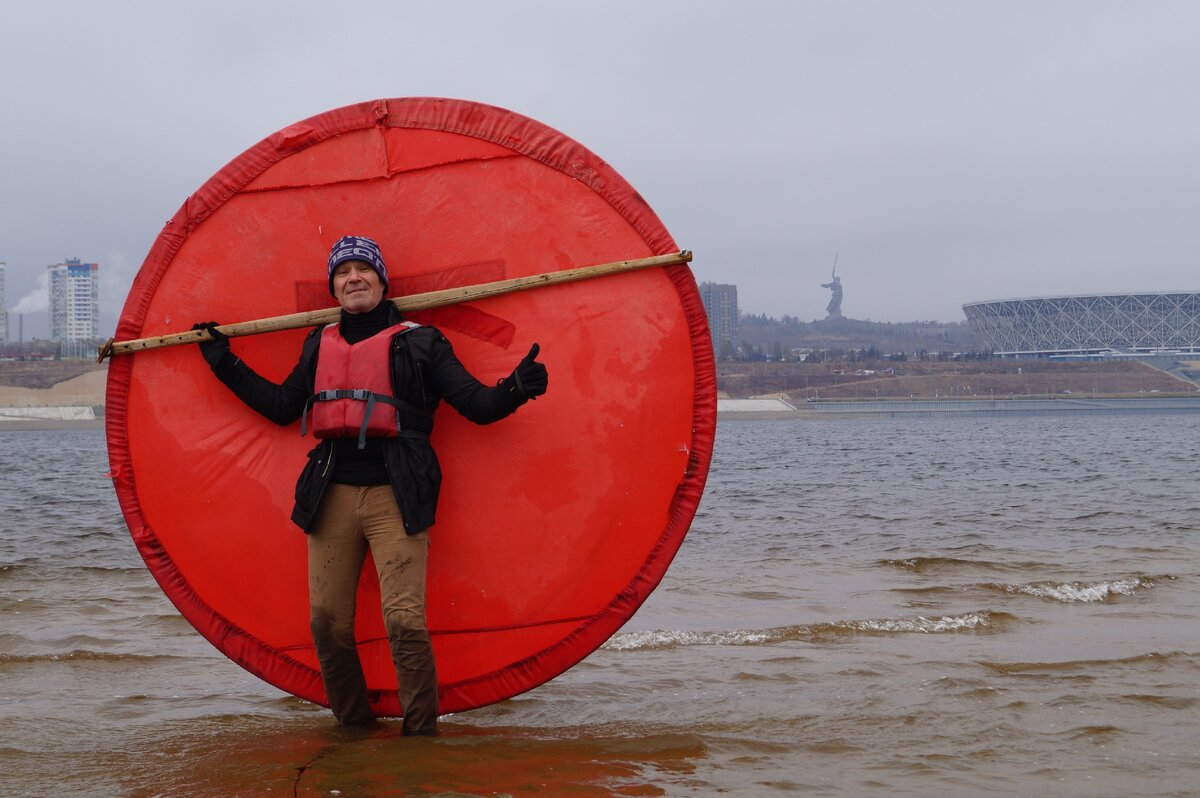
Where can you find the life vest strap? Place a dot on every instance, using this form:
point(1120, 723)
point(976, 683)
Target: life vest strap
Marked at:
point(362, 395)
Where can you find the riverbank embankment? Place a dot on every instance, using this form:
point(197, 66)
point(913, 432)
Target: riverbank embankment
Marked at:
point(78, 402)
point(780, 408)
point(71, 404)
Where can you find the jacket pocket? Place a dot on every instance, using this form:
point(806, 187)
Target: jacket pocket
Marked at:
point(424, 474)
point(310, 486)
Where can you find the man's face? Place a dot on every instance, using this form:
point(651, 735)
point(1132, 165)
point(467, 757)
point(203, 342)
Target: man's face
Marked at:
point(356, 286)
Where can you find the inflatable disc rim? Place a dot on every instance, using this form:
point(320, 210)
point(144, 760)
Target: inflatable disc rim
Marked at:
point(526, 137)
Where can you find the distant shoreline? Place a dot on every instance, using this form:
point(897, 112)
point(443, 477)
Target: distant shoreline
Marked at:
point(89, 389)
point(970, 408)
point(881, 410)
point(83, 391)
point(44, 425)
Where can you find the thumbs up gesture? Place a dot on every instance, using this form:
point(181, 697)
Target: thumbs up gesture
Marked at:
point(529, 378)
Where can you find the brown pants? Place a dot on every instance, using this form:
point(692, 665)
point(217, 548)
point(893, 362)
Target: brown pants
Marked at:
point(351, 519)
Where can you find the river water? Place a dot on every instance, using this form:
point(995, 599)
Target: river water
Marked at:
point(862, 607)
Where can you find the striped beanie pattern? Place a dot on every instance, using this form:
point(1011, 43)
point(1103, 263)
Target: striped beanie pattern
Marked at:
point(357, 248)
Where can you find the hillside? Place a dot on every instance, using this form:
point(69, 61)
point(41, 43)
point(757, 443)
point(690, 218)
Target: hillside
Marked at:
point(929, 379)
point(776, 338)
point(43, 373)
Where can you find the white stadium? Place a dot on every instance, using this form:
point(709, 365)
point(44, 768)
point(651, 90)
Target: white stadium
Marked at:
point(1088, 325)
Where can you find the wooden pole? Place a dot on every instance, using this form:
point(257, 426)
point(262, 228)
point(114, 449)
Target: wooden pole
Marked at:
point(431, 299)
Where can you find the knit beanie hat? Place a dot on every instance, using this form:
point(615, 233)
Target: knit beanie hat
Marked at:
point(357, 248)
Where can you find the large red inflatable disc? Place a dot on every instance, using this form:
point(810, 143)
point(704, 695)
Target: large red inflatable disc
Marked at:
point(554, 524)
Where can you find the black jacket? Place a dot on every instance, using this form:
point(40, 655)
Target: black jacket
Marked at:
point(424, 371)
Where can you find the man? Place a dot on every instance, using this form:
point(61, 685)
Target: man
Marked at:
point(369, 385)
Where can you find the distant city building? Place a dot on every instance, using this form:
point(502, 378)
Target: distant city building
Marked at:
point(1088, 325)
point(721, 307)
point(74, 301)
point(3, 306)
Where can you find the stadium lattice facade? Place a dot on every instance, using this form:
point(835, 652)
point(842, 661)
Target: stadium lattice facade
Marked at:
point(1088, 325)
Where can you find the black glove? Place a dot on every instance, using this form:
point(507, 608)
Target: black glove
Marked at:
point(529, 378)
point(215, 349)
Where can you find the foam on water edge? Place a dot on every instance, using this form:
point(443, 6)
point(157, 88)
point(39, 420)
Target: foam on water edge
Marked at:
point(657, 639)
point(1080, 592)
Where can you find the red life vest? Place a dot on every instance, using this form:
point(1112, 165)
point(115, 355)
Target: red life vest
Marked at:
point(353, 386)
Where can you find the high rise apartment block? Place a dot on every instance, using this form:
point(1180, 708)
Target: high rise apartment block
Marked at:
point(74, 301)
point(721, 307)
point(3, 306)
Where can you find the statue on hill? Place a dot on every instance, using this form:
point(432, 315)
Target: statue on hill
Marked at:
point(834, 309)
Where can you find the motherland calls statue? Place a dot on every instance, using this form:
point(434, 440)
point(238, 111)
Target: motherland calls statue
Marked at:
point(834, 308)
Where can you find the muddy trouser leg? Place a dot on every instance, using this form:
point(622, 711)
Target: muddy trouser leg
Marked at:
point(336, 550)
point(400, 561)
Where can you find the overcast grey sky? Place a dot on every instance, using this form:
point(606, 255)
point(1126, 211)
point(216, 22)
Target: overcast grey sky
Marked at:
point(943, 152)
